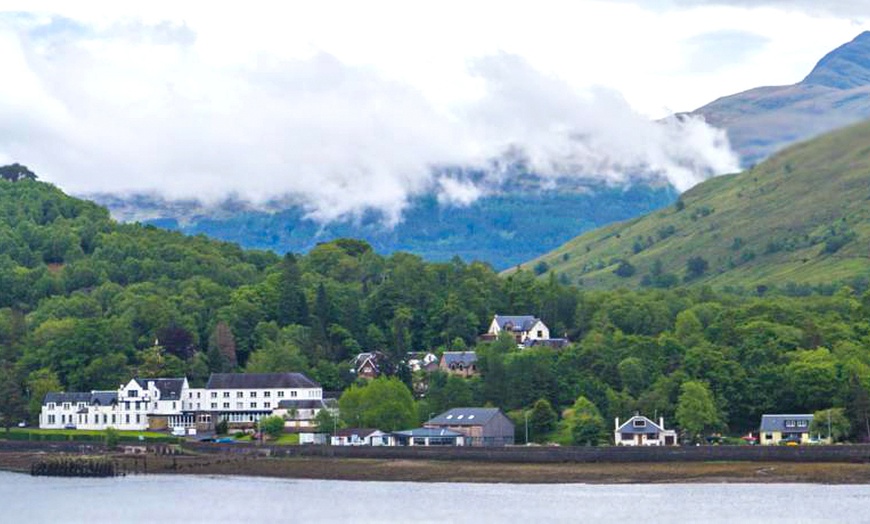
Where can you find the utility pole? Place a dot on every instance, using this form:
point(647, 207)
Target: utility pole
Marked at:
point(829, 427)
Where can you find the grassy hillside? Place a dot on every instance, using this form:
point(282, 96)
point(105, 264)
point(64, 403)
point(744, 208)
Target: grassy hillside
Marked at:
point(802, 217)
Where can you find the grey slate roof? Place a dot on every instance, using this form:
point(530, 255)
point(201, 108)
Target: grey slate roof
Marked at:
point(428, 432)
point(464, 417)
point(259, 381)
point(557, 343)
point(302, 404)
point(104, 398)
point(649, 426)
point(517, 322)
point(459, 357)
point(169, 388)
point(74, 397)
point(777, 423)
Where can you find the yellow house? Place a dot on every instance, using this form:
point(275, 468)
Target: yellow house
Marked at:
point(783, 429)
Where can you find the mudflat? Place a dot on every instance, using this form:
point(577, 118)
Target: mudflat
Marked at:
point(475, 471)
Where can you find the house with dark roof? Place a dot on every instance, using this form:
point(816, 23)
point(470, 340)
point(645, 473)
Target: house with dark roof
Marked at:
point(169, 403)
point(478, 426)
point(784, 428)
point(369, 364)
point(462, 363)
point(242, 399)
point(641, 431)
point(523, 328)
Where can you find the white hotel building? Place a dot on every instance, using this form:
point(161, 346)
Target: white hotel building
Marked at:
point(169, 403)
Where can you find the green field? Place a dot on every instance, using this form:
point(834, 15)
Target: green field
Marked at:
point(83, 435)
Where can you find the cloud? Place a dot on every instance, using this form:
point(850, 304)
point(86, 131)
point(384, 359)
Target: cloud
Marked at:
point(846, 8)
point(130, 106)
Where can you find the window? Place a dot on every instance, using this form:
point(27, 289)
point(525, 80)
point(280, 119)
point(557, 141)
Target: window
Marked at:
point(790, 423)
point(267, 394)
point(280, 394)
point(253, 404)
point(639, 423)
point(226, 394)
point(198, 394)
point(82, 405)
point(113, 418)
point(66, 405)
point(51, 419)
point(768, 436)
point(197, 405)
point(267, 404)
point(133, 393)
point(240, 405)
point(106, 419)
point(240, 394)
point(226, 405)
point(803, 423)
point(127, 418)
point(540, 334)
point(173, 405)
point(51, 405)
point(253, 394)
point(214, 394)
point(214, 405)
point(137, 418)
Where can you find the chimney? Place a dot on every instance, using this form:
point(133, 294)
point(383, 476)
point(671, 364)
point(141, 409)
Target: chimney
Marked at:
point(617, 423)
point(662, 422)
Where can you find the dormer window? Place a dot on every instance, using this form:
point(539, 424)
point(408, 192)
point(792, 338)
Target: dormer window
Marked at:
point(639, 423)
point(133, 393)
point(802, 423)
point(790, 423)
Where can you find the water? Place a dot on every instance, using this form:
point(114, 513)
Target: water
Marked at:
point(193, 499)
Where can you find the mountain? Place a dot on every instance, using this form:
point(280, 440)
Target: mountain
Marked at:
point(503, 229)
point(800, 218)
point(764, 120)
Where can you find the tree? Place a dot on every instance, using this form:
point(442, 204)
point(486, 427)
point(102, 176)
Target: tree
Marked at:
point(695, 267)
point(16, 172)
point(696, 410)
point(831, 422)
point(11, 401)
point(586, 423)
point(326, 421)
point(383, 403)
point(292, 307)
point(276, 357)
point(858, 407)
point(222, 349)
point(624, 269)
point(542, 419)
point(272, 426)
point(111, 438)
point(39, 383)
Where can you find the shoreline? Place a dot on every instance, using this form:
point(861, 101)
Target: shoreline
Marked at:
point(428, 470)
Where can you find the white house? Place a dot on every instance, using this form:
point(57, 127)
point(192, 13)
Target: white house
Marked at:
point(522, 327)
point(244, 398)
point(169, 403)
point(361, 437)
point(138, 405)
point(641, 431)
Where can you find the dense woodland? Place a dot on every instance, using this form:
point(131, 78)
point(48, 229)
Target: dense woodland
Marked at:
point(85, 303)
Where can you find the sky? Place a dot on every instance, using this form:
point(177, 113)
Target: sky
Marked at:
point(347, 105)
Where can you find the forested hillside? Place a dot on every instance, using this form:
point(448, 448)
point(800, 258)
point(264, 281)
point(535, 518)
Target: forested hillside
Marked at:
point(517, 223)
point(83, 301)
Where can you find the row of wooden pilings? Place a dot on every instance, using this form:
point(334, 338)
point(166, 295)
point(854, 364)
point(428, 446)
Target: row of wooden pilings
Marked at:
point(74, 467)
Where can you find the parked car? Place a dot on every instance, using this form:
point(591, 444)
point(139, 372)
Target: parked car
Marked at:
point(22, 424)
point(70, 426)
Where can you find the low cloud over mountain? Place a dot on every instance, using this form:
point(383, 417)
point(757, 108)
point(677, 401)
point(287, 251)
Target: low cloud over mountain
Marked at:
point(136, 107)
